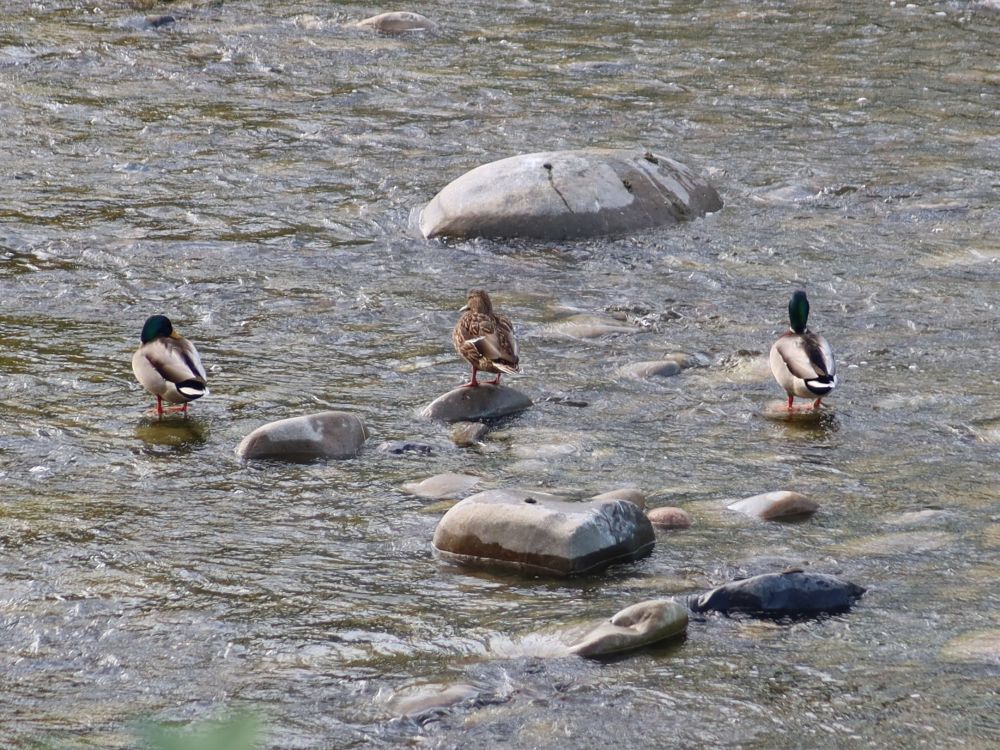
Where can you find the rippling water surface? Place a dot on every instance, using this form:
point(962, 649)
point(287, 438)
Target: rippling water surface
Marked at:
point(250, 169)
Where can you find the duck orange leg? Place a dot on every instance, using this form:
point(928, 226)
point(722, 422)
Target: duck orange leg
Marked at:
point(472, 383)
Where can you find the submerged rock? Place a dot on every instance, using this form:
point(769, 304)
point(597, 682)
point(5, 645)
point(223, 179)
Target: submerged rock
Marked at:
point(669, 518)
point(646, 370)
point(464, 434)
point(484, 401)
point(776, 506)
point(328, 434)
point(442, 486)
point(793, 592)
point(633, 627)
point(430, 699)
point(535, 532)
point(398, 22)
point(401, 447)
point(567, 194)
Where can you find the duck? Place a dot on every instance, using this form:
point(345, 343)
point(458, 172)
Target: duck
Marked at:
point(485, 339)
point(802, 361)
point(167, 365)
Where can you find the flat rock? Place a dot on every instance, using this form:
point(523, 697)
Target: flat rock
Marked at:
point(442, 486)
point(792, 592)
point(669, 517)
point(646, 370)
point(776, 506)
point(473, 404)
point(633, 627)
point(465, 434)
point(629, 494)
point(398, 22)
point(328, 434)
point(537, 533)
point(566, 194)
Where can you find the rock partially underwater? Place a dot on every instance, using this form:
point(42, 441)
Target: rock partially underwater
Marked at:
point(776, 506)
point(484, 401)
point(538, 533)
point(398, 22)
point(633, 627)
point(566, 194)
point(328, 434)
point(793, 592)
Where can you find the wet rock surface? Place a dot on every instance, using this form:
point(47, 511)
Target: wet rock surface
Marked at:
point(398, 22)
point(633, 627)
point(538, 533)
point(567, 194)
point(473, 404)
point(329, 434)
point(668, 517)
point(776, 506)
point(442, 486)
point(792, 592)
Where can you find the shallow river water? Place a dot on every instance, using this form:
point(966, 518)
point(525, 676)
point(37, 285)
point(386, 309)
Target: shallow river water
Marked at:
point(250, 170)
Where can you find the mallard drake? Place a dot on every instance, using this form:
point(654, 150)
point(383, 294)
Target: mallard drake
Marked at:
point(167, 365)
point(802, 361)
point(485, 338)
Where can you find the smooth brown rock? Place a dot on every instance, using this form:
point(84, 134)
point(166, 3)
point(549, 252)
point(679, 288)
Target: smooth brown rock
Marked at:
point(535, 532)
point(633, 627)
point(669, 518)
point(566, 194)
point(775, 506)
point(328, 434)
point(473, 404)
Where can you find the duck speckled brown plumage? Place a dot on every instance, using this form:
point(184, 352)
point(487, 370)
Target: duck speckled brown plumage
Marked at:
point(485, 338)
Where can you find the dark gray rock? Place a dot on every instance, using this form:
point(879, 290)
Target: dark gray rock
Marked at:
point(328, 434)
point(566, 194)
point(535, 532)
point(473, 404)
point(792, 592)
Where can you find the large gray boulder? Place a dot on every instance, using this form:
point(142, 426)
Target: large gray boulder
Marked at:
point(564, 194)
point(538, 533)
point(472, 404)
point(328, 434)
point(635, 626)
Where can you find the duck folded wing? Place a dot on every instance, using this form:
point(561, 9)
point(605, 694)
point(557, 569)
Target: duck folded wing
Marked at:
point(804, 358)
point(175, 362)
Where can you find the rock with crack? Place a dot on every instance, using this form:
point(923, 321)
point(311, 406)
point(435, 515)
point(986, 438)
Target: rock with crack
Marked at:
point(538, 533)
point(568, 194)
